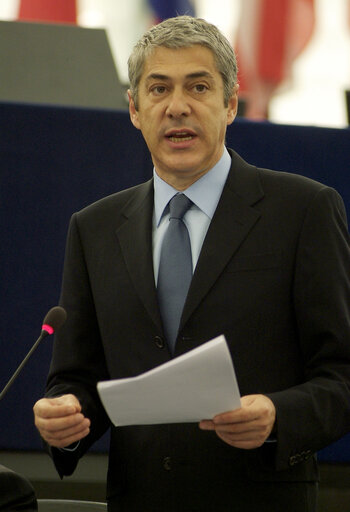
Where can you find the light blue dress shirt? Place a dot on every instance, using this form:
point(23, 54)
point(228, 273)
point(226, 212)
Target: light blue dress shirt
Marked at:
point(205, 194)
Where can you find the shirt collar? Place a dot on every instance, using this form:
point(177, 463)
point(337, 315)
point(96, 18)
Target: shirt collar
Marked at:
point(204, 193)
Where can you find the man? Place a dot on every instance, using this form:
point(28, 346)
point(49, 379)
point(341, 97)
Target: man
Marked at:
point(270, 253)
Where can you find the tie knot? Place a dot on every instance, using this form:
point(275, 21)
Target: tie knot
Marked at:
point(179, 205)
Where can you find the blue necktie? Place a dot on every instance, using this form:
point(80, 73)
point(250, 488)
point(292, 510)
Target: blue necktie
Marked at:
point(175, 269)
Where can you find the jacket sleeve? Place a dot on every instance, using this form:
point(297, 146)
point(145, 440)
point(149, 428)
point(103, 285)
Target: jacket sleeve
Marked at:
point(317, 412)
point(78, 361)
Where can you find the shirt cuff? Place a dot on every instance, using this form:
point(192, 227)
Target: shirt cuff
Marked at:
point(71, 448)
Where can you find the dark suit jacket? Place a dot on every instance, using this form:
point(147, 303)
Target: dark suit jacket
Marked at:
point(273, 276)
point(16, 492)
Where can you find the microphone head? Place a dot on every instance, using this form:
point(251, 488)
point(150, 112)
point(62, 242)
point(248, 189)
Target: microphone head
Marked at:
point(54, 319)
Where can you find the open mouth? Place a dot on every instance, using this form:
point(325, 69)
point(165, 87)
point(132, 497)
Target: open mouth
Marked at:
point(180, 136)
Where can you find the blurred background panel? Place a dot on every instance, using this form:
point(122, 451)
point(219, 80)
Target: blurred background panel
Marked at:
point(294, 55)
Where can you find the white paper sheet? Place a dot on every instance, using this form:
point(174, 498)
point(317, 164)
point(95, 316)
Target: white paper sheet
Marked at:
point(192, 387)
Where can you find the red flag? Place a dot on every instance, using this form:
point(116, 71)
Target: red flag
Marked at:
point(271, 34)
point(56, 11)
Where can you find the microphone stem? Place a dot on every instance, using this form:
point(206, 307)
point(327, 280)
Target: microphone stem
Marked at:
point(19, 369)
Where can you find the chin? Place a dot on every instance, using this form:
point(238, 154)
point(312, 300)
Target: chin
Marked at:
point(181, 165)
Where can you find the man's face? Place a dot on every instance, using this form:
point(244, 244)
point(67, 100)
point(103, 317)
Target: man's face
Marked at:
point(181, 113)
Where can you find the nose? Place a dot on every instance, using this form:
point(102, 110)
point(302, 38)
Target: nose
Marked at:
point(178, 105)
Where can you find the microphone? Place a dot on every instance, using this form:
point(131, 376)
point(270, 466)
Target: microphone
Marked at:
point(53, 320)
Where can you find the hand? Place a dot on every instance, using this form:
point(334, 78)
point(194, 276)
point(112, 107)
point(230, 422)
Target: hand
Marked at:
point(60, 421)
point(247, 427)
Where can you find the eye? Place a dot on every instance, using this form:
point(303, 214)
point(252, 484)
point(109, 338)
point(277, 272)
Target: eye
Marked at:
point(200, 88)
point(158, 90)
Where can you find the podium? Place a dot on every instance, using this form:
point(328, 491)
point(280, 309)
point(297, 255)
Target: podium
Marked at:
point(58, 65)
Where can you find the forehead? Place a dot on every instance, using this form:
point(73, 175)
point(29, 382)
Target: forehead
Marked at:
point(180, 62)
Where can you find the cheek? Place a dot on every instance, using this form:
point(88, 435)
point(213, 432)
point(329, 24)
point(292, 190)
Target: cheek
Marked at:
point(223, 126)
point(150, 136)
point(149, 123)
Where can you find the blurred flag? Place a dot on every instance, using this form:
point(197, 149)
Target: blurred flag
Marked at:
point(163, 9)
point(56, 11)
point(271, 34)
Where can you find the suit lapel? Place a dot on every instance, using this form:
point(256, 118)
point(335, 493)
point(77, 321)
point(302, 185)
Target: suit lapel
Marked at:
point(231, 224)
point(135, 238)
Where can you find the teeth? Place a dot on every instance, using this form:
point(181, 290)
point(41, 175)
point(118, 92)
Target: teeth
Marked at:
point(180, 139)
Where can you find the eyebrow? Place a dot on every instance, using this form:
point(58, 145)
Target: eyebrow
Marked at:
point(197, 74)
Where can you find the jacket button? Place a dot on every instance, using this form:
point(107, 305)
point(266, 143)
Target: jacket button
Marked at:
point(159, 341)
point(307, 454)
point(167, 463)
point(292, 460)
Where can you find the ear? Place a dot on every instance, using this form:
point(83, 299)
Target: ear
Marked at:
point(232, 105)
point(133, 112)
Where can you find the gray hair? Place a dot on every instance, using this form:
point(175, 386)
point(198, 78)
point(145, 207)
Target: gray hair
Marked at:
point(184, 32)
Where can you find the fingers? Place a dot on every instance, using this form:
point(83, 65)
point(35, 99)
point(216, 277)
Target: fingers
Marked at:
point(247, 427)
point(65, 437)
point(60, 421)
point(56, 407)
point(248, 443)
point(246, 439)
point(241, 435)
